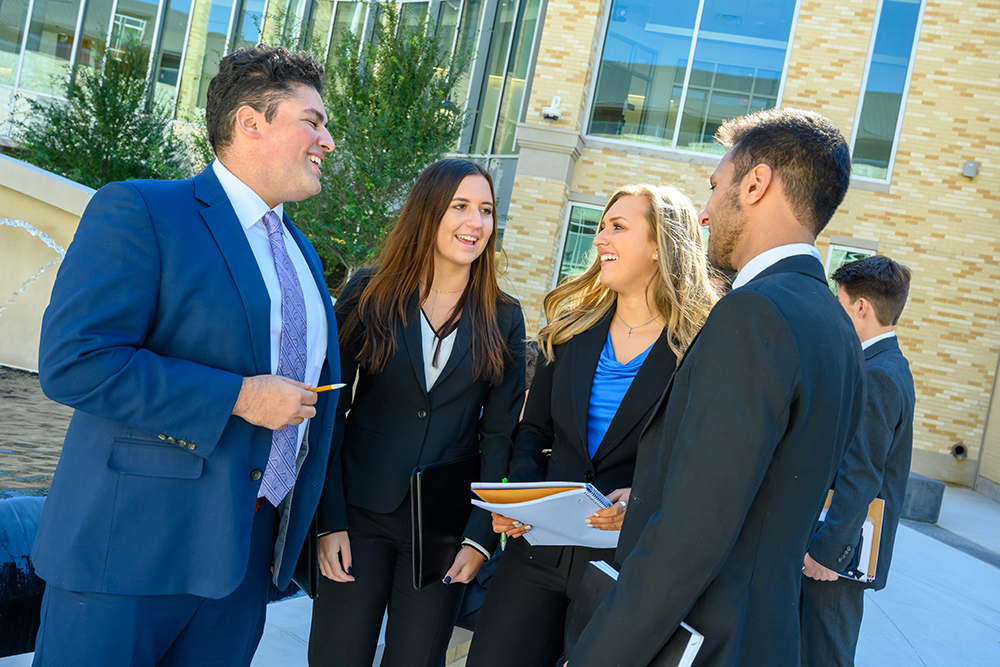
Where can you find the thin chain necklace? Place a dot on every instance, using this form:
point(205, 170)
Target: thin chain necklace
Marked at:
point(638, 326)
point(435, 299)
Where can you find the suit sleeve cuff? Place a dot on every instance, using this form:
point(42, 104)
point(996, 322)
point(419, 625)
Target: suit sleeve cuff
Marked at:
point(477, 546)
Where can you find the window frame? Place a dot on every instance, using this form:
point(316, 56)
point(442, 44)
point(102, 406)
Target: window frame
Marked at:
point(564, 236)
point(867, 247)
point(902, 102)
point(683, 154)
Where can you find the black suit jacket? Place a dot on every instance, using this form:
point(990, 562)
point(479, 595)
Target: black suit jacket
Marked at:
point(876, 465)
point(730, 476)
point(391, 423)
point(556, 415)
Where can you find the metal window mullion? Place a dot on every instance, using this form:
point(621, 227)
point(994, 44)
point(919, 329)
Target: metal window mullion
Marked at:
point(155, 45)
point(788, 53)
point(606, 25)
point(530, 73)
point(687, 75)
point(506, 65)
point(180, 68)
point(111, 24)
point(329, 32)
point(477, 69)
point(231, 30)
point(77, 34)
point(864, 76)
point(458, 27)
point(906, 91)
point(263, 19)
point(24, 44)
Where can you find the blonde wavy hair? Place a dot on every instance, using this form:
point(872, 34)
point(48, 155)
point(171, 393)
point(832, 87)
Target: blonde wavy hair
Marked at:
point(682, 292)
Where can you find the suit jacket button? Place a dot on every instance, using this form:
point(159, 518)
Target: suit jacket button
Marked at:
point(256, 475)
point(589, 476)
point(421, 413)
point(172, 440)
point(847, 550)
point(162, 436)
point(190, 445)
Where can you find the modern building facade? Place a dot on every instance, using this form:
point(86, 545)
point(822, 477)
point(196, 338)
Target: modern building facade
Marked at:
point(576, 97)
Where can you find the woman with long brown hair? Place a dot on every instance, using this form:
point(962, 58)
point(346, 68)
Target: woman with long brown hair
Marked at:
point(613, 339)
point(438, 354)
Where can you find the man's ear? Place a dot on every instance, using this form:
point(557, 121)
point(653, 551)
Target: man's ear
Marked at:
point(756, 182)
point(863, 307)
point(248, 121)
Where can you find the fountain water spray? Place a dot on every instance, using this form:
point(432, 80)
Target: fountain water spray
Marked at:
point(44, 238)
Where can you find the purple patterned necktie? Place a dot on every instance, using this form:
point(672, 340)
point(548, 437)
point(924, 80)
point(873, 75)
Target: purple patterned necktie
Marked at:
point(280, 473)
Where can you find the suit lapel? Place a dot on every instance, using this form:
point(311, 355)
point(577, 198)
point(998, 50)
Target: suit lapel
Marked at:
point(232, 242)
point(645, 390)
point(586, 351)
point(411, 339)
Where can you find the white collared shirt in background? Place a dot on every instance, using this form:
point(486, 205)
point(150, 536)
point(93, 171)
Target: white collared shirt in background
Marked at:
point(874, 339)
point(250, 210)
point(768, 258)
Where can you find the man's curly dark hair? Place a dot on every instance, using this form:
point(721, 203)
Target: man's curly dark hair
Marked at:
point(261, 77)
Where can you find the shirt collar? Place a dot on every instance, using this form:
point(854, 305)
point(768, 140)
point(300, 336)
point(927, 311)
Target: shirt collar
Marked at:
point(874, 339)
point(247, 204)
point(768, 258)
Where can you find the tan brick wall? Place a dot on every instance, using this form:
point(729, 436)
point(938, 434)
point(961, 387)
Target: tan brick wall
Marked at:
point(942, 225)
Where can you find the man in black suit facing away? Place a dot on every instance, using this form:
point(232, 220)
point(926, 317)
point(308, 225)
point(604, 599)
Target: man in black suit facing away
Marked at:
point(734, 464)
point(877, 464)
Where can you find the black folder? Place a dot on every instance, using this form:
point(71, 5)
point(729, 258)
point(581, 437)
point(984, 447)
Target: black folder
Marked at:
point(679, 651)
point(439, 509)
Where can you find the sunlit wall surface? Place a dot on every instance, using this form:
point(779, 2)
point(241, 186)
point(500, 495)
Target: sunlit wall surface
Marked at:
point(672, 72)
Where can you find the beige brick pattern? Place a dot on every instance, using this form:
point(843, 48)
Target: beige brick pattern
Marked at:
point(942, 225)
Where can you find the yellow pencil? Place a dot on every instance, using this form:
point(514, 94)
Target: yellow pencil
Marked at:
point(327, 387)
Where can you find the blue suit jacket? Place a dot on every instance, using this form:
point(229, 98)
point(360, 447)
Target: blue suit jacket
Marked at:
point(876, 464)
point(158, 312)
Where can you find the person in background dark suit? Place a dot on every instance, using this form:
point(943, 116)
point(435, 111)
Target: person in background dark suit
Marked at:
point(438, 353)
point(614, 336)
point(744, 443)
point(186, 324)
point(873, 291)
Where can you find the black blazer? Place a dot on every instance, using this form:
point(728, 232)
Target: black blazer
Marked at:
point(391, 423)
point(876, 465)
point(730, 477)
point(556, 415)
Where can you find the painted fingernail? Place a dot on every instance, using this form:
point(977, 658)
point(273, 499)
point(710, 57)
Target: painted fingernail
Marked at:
point(447, 580)
point(518, 524)
point(350, 570)
point(587, 521)
point(527, 528)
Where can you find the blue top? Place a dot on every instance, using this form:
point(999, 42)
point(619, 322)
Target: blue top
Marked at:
point(611, 382)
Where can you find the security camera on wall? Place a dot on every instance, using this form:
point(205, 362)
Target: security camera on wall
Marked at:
point(552, 112)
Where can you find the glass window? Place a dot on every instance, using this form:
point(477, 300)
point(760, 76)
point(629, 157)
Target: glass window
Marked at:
point(496, 62)
point(348, 18)
point(176, 14)
point(95, 31)
point(412, 14)
point(133, 22)
point(249, 20)
point(49, 46)
point(215, 45)
point(886, 80)
point(468, 32)
point(578, 251)
point(512, 99)
point(838, 255)
point(670, 75)
point(12, 14)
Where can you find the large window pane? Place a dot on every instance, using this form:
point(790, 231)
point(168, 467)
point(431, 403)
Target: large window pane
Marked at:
point(96, 18)
point(318, 25)
point(413, 14)
point(12, 15)
point(468, 32)
point(348, 18)
point(134, 22)
point(168, 64)
point(882, 99)
point(517, 73)
point(485, 119)
point(249, 20)
point(737, 66)
point(739, 57)
point(49, 46)
point(215, 45)
point(579, 248)
point(642, 70)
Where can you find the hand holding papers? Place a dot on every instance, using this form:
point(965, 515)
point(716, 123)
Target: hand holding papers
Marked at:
point(556, 511)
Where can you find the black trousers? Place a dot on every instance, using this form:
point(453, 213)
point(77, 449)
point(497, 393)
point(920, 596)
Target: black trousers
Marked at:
point(347, 617)
point(830, 615)
point(523, 619)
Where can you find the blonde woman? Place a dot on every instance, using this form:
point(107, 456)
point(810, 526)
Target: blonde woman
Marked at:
point(613, 338)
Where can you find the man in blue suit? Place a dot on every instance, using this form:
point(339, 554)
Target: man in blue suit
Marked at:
point(876, 464)
point(186, 325)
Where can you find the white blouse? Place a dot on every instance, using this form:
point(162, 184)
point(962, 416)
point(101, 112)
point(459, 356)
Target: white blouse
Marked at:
point(428, 339)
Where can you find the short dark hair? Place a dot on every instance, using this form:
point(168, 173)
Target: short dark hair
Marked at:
point(260, 76)
point(883, 282)
point(805, 150)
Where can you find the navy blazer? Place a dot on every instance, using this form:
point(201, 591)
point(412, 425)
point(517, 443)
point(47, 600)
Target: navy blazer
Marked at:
point(876, 464)
point(730, 476)
point(391, 423)
point(157, 313)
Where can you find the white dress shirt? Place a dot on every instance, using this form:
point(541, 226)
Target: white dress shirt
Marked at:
point(874, 339)
point(768, 258)
point(250, 210)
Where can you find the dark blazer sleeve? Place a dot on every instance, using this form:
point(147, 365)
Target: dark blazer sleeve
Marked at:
point(859, 477)
point(725, 440)
point(332, 512)
point(536, 430)
point(92, 354)
point(497, 426)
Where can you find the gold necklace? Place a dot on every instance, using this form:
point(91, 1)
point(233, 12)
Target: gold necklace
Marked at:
point(638, 326)
point(454, 291)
